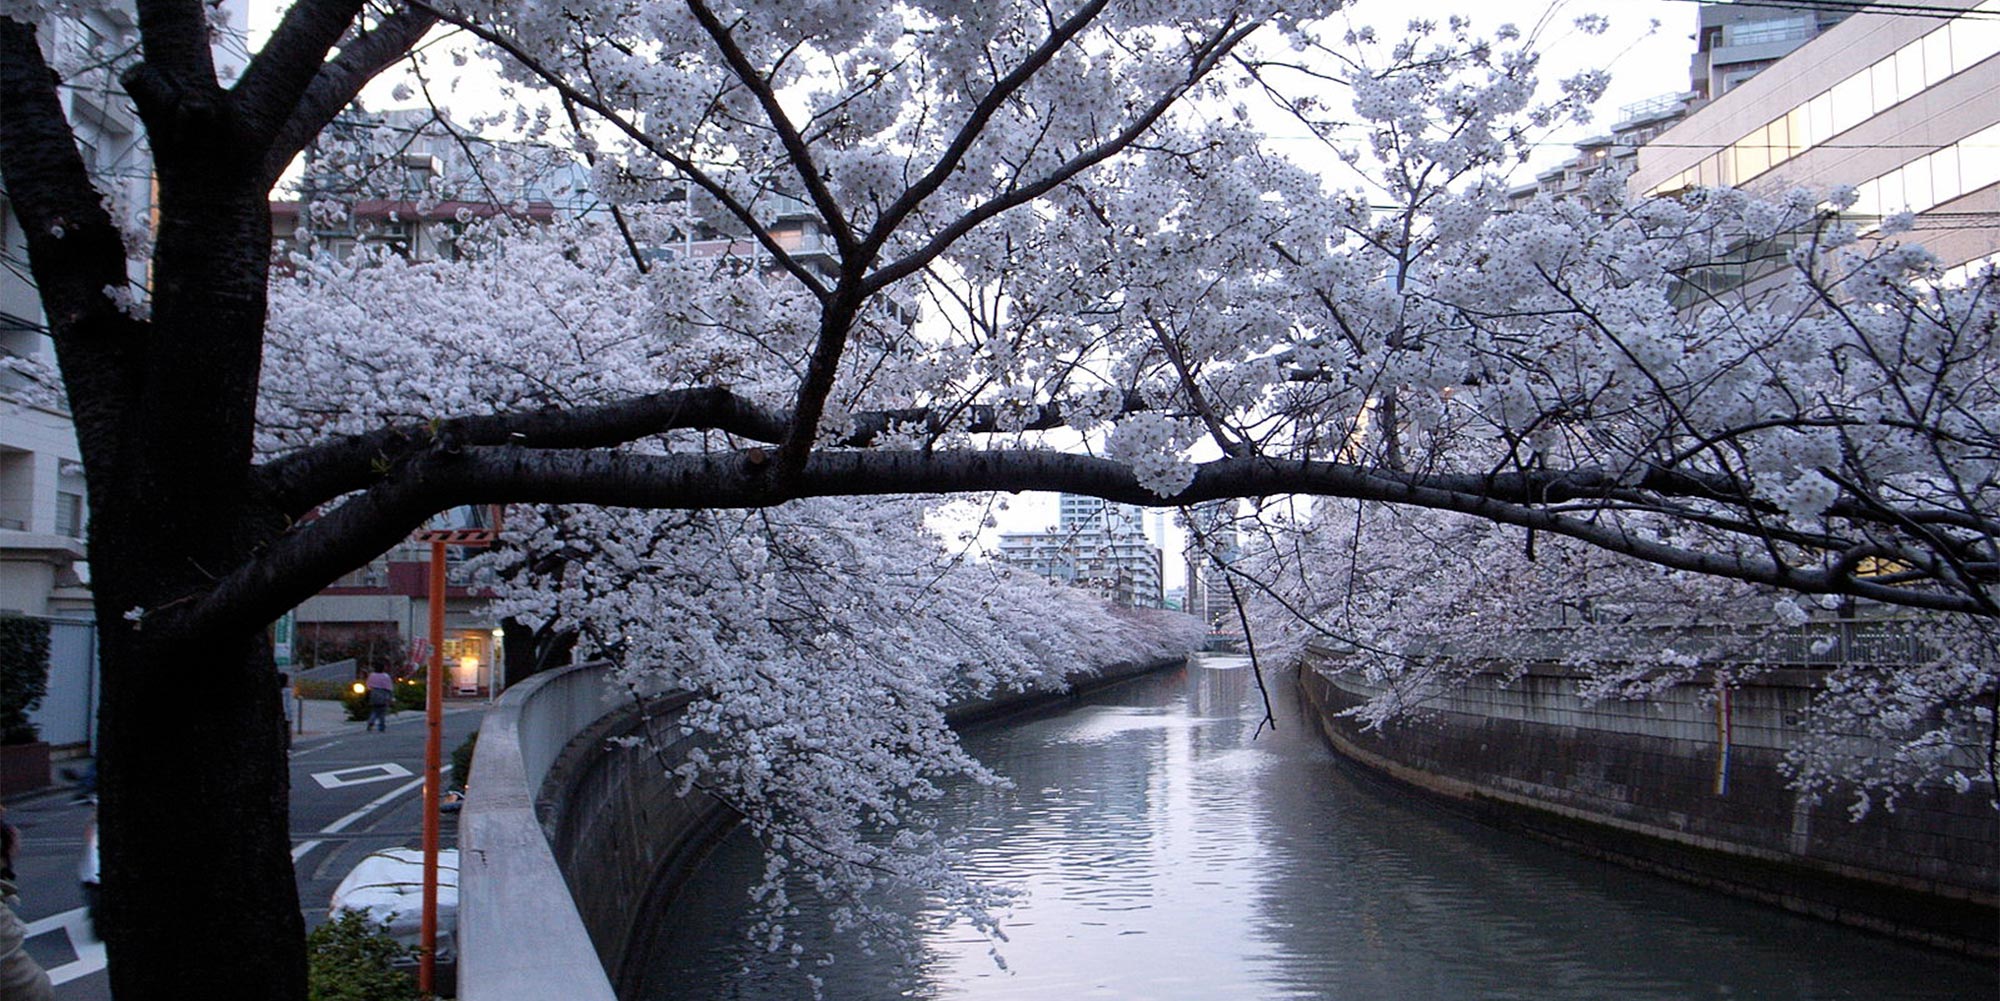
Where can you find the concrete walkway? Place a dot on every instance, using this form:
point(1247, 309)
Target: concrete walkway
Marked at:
point(323, 717)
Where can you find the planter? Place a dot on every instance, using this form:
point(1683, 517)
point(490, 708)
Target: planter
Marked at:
point(23, 767)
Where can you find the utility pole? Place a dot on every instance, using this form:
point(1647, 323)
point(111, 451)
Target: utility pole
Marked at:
point(434, 734)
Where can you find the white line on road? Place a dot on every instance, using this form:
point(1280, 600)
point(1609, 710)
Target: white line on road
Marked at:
point(299, 850)
point(359, 775)
point(89, 951)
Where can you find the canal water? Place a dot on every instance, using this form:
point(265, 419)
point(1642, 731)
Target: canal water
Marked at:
point(1169, 851)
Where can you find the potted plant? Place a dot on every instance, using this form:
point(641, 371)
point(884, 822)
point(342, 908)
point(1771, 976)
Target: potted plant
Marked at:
point(24, 680)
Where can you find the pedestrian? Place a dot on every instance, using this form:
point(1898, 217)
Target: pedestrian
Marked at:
point(21, 978)
point(381, 693)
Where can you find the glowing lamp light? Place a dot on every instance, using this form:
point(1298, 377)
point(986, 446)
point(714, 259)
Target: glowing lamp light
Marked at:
point(360, 688)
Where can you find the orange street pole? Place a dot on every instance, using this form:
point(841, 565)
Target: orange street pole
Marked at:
point(434, 738)
point(433, 762)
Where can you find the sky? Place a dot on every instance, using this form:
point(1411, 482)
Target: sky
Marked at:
point(1646, 51)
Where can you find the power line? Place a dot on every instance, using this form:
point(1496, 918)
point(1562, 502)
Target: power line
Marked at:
point(1933, 12)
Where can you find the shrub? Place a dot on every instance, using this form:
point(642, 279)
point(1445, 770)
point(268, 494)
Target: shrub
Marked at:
point(351, 958)
point(321, 688)
point(461, 761)
point(356, 703)
point(409, 695)
point(24, 675)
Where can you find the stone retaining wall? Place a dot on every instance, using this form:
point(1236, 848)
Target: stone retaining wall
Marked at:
point(1674, 786)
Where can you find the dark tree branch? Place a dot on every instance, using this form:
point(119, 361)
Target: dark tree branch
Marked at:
point(269, 91)
point(1205, 59)
point(302, 480)
point(74, 248)
point(446, 475)
point(308, 107)
point(173, 37)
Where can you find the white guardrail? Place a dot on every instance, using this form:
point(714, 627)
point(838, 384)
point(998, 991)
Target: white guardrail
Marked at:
point(520, 937)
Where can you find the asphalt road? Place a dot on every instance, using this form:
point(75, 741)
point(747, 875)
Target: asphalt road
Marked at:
point(353, 792)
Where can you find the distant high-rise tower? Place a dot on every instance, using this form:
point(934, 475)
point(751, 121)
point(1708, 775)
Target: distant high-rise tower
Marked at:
point(1078, 512)
point(1097, 545)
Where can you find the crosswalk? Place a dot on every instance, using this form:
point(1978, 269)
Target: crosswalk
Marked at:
point(75, 926)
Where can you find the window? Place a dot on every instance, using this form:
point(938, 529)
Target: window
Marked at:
point(1937, 57)
point(1882, 86)
point(1909, 71)
point(69, 514)
point(1917, 185)
point(1819, 119)
point(1944, 174)
point(1753, 155)
point(1973, 40)
point(1851, 104)
point(1765, 32)
point(1798, 127)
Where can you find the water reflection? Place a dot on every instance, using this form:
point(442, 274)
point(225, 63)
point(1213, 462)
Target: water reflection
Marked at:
point(1167, 851)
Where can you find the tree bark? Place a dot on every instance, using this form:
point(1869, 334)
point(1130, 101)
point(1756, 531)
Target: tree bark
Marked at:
point(199, 889)
point(199, 896)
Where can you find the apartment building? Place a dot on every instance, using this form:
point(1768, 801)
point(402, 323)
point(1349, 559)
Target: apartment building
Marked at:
point(1904, 107)
point(1097, 545)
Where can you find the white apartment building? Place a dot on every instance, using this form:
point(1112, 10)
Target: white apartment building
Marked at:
point(1096, 545)
point(1904, 108)
point(1733, 43)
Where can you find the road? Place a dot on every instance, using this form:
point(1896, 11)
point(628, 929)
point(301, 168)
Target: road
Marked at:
point(353, 792)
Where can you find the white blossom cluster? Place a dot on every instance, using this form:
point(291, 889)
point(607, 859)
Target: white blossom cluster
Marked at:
point(985, 212)
point(825, 641)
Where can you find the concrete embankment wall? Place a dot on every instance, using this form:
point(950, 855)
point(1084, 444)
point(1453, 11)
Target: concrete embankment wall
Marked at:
point(572, 837)
point(1676, 785)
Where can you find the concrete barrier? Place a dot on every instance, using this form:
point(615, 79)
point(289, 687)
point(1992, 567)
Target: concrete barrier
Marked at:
point(1685, 787)
point(520, 935)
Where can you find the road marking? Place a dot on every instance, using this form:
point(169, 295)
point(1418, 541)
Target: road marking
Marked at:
point(89, 951)
point(299, 850)
point(340, 778)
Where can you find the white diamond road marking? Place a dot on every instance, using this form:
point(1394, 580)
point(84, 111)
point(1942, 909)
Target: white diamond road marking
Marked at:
point(89, 951)
point(341, 778)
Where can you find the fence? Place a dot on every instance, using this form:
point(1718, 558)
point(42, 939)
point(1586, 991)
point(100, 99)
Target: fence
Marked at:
point(68, 714)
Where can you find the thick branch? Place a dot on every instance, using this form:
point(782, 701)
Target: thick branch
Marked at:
point(296, 110)
point(444, 476)
point(173, 36)
point(74, 248)
point(279, 74)
point(302, 480)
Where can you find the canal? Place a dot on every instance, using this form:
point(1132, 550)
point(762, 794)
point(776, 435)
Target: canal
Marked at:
point(1169, 851)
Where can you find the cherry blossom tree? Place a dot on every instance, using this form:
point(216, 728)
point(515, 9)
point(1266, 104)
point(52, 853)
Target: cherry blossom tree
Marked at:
point(1035, 226)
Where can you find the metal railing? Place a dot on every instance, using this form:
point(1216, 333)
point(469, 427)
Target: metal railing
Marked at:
point(1828, 644)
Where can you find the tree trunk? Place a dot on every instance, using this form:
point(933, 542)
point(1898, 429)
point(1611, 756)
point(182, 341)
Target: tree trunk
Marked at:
point(199, 892)
point(528, 652)
point(199, 897)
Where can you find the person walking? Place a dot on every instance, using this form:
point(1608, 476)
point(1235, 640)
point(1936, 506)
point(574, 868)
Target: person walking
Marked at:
point(381, 694)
